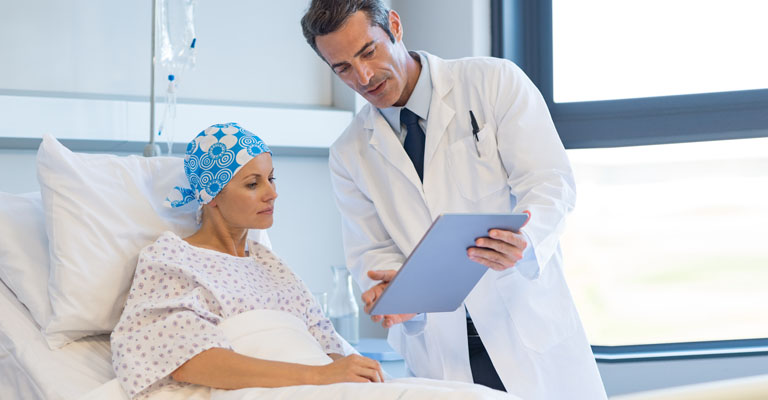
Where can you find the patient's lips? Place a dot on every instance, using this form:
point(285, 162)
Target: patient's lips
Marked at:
point(267, 210)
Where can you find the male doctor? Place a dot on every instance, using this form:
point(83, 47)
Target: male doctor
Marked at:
point(410, 155)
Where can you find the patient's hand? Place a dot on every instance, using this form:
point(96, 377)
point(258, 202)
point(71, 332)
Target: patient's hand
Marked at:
point(352, 368)
point(370, 296)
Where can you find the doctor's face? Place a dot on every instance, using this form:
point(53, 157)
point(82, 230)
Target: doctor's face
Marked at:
point(365, 58)
point(248, 199)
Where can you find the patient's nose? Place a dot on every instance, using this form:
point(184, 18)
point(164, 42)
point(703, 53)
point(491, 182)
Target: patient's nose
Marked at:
point(270, 194)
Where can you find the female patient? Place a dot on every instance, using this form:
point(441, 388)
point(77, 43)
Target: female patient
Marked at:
point(184, 288)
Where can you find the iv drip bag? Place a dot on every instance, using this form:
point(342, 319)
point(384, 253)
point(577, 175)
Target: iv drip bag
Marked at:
point(177, 34)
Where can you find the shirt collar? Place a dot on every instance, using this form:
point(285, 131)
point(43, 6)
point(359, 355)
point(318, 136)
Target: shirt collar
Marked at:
point(419, 100)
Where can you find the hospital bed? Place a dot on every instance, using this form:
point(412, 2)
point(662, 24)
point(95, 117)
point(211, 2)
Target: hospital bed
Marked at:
point(30, 370)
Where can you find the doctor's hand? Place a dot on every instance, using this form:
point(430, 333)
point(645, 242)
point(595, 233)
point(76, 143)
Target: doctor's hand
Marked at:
point(501, 250)
point(371, 295)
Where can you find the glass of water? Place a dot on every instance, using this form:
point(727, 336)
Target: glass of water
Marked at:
point(342, 307)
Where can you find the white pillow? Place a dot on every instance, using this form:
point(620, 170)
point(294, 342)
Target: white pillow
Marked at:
point(100, 210)
point(24, 261)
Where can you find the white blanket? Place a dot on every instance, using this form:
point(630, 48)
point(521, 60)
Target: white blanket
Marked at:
point(279, 336)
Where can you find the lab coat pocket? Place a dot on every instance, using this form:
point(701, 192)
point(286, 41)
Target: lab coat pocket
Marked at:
point(541, 315)
point(476, 166)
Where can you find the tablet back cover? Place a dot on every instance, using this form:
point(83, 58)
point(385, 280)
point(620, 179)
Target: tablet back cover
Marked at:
point(438, 275)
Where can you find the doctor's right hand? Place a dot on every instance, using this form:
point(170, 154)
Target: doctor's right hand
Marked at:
point(371, 295)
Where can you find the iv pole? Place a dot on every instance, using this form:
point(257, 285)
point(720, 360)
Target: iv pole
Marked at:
point(152, 149)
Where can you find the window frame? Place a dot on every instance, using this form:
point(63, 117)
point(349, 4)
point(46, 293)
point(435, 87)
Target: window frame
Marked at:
point(681, 350)
point(521, 31)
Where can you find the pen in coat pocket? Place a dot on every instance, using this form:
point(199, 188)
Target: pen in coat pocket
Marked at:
point(475, 130)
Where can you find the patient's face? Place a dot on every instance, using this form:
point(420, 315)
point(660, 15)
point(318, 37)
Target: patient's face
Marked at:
point(365, 58)
point(248, 200)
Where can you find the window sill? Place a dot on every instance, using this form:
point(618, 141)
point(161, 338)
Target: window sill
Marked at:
point(681, 351)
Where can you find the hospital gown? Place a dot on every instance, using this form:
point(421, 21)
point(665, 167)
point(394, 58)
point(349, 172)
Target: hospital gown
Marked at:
point(179, 295)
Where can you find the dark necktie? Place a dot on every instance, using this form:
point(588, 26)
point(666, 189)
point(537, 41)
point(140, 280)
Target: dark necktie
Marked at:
point(414, 140)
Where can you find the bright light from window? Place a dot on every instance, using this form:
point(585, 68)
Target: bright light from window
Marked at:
point(618, 49)
point(669, 243)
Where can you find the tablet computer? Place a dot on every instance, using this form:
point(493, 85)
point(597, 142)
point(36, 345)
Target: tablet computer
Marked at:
point(438, 275)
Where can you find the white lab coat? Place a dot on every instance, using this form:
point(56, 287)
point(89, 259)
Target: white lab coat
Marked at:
point(524, 315)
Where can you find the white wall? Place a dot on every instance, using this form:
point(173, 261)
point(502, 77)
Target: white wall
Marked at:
point(18, 173)
point(85, 66)
point(248, 51)
point(446, 28)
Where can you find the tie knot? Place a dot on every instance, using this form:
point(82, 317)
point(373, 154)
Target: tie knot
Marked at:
point(408, 117)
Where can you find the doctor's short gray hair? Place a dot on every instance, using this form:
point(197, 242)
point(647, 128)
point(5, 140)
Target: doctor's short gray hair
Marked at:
point(327, 16)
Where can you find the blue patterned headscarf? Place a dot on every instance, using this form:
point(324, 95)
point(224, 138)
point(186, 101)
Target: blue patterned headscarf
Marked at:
point(213, 157)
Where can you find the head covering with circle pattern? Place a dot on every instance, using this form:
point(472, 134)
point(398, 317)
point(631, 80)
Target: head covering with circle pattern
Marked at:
point(213, 157)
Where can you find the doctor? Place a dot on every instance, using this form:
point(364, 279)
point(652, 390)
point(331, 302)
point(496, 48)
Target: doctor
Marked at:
point(415, 152)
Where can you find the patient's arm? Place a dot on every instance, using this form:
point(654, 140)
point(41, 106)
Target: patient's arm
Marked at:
point(224, 369)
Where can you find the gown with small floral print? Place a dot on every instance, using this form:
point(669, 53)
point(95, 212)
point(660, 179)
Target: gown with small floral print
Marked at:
point(179, 295)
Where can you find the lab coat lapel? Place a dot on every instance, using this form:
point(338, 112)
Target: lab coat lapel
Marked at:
point(385, 142)
point(440, 113)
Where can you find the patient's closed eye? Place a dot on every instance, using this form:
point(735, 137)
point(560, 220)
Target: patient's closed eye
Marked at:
point(254, 184)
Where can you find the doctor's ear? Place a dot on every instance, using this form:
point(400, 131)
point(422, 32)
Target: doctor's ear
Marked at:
point(395, 26)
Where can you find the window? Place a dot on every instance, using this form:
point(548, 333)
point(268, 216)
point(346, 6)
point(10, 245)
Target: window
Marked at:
point(608, 50)
point(668, 242)
point(632, 72)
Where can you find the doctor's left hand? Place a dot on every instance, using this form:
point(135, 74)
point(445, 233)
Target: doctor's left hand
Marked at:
point(501, 250)
point(370, 296)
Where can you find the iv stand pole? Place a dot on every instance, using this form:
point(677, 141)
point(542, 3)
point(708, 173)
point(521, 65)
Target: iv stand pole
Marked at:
point(152, 149)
